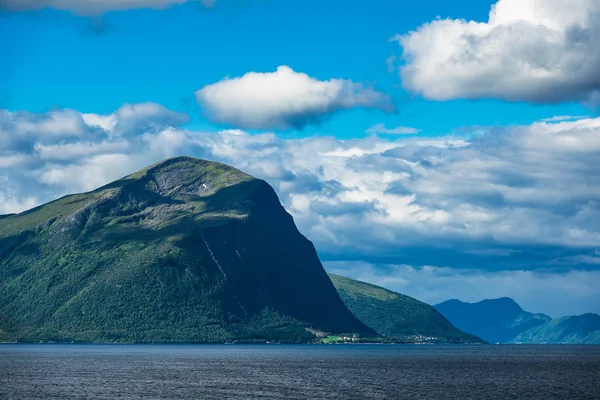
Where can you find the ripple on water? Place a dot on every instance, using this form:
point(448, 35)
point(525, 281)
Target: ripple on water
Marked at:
point(298, 372)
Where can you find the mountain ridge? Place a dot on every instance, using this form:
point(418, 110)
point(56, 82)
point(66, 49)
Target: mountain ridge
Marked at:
point(504, 321)
point(185, 250)
point(395, 315)
point(494, 320)
point(572, 329)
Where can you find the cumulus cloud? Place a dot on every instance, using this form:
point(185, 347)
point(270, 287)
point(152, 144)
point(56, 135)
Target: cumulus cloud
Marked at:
point(541, 51)
point(139, 118)
point(48, 126)
point(93, 7)
point(21, 132)
point(534, 184)
point(284, 99)
point(399, 130)
point(560, 118)
point(9, 204)
point(502, 201)
point(47, 148)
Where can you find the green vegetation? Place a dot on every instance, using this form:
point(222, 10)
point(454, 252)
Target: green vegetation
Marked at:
point(397, 317)
point(171, 189)
point(183, 251)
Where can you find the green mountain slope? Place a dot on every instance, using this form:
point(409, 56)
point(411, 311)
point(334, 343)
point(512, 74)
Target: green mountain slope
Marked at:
point(395, 315)
point(581, 329)
point(183, 251)
point(493, 320)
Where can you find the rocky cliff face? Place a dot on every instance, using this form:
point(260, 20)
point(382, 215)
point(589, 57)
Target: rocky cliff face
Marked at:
point(186, 250)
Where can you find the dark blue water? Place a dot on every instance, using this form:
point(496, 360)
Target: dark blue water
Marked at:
point(299, 372)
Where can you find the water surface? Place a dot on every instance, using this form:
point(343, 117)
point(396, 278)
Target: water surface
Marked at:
point(298, 372)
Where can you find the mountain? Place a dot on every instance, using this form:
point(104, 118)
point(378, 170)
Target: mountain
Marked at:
point(395, 315)
point(581, 329)
point(185, 250)
point(495, 321)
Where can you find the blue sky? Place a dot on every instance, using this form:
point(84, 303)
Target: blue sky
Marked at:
point(97, 64)
point(487, 188)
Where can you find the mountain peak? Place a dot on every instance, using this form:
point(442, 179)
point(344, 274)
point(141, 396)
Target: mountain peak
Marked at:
point(185, 250)
point(165, 192)
point(186, 161)
point(452, 301)
point(177, 159)
point(494, 320)
point(186, 175)
point(504, 302)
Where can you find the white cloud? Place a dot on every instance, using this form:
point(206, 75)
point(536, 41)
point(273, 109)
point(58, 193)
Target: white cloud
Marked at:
point(136, 118)
point(561, 118)
point(49, 126)
point(68, 130)
point(391, 61)
point(284, 99)
point(579, 259)
point(133, 119)
point(541, 51)
point(88, 174)
point(399, 130)
point(10, 205)
point(93, 7)
point(555, 294)
point(79, 150)
point(13, 160)
point(522, 198)
point(534, 184)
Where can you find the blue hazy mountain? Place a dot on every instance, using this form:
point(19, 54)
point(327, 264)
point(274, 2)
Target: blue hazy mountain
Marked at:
point(496, 321)
point(580, 329)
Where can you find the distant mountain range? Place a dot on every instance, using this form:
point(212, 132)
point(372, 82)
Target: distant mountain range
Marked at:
point(580, 329)
point(504, 321)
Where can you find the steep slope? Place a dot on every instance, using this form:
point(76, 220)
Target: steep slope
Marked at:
point(183, 251)
point(581, 329)
point(495, 321)
point(395, 315)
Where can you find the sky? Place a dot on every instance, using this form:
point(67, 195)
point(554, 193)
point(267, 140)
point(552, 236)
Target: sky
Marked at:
point(439, 149)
